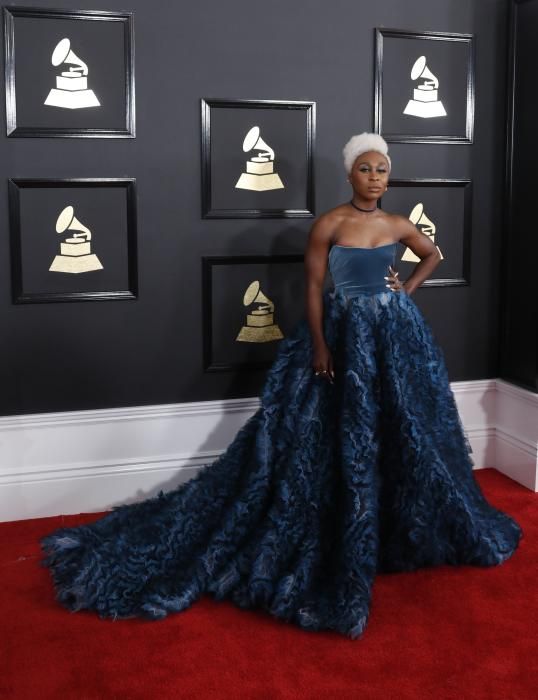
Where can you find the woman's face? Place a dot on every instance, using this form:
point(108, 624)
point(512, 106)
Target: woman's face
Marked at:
point(369, 175)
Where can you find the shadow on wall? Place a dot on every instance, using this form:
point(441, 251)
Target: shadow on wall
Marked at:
point(290, 239)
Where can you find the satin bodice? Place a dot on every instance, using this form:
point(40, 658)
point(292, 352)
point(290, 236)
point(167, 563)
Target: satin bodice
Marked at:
point(361, 270)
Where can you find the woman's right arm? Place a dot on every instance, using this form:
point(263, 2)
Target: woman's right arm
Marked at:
point(316, 255)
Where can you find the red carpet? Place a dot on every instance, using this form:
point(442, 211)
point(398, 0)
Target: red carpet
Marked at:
point(461, 633)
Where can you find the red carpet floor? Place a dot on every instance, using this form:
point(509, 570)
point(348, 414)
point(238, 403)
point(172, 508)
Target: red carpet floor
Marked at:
point(449, 632)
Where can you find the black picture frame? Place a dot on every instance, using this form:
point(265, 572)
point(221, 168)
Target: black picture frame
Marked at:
point(247, 205)
point(289, 286)
point(463, 89)
point(461, 247)
point(86, 124)
point(25, 286)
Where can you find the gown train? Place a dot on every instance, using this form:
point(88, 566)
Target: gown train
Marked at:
point(323, 487)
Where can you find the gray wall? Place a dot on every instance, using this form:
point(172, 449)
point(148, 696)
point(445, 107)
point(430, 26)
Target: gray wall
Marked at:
point(68, 356)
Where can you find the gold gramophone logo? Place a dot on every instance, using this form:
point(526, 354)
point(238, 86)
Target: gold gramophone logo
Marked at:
point(71, 91)
point(75, 252)
point(260, 326)
point(259, 175)
point(419, 218)
point(425, 102)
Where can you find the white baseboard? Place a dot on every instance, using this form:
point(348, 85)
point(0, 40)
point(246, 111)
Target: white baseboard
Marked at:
point(517, 433)
point(89, 461)
point(501, 422)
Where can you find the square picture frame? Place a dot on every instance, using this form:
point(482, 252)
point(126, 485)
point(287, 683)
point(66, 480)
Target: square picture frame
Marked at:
point(233, 338)
point(441, 208)
point(278, 182)
point(439, 108)
point(69, 73)
point(96, 258)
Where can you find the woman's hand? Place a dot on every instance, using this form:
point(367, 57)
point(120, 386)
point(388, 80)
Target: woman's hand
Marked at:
point(398, 285)
point(322, 362)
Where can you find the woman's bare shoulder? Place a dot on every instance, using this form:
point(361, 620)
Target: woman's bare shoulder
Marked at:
point(395, 218)
point(324, 226)
point(388, 215)
point(332, 216)
point(399, 223)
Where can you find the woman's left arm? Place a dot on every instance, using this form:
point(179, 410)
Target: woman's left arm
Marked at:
point(422, 247)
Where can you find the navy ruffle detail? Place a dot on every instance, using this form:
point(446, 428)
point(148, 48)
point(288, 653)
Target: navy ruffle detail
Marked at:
point(322, 488)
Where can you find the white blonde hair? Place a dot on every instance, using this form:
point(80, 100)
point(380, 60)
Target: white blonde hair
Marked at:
point(362, 143)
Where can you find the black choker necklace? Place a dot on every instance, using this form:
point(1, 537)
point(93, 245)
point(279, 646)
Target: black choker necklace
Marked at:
point(359, 208)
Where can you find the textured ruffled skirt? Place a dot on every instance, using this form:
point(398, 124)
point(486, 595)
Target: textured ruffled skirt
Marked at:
point(323, 487)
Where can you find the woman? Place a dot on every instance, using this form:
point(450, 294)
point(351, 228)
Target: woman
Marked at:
point(355, 463)
point(361, 223)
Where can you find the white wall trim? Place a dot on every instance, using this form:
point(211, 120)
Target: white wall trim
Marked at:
point(88, 461)
point(517, 433)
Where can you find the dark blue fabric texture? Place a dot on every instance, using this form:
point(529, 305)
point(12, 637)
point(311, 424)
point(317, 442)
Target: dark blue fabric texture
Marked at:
point(359, 270)
point(325, 486)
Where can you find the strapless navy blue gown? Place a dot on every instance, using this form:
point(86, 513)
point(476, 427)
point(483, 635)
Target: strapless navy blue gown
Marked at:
point(323, 487)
